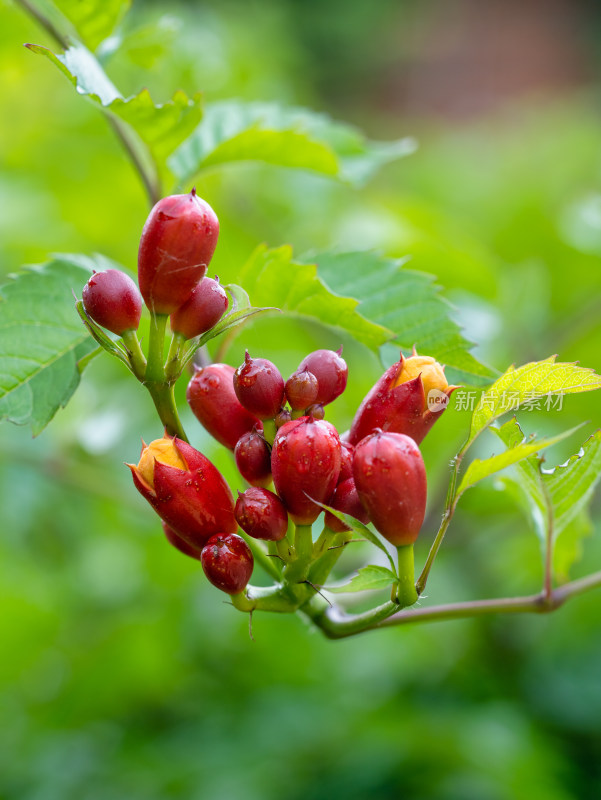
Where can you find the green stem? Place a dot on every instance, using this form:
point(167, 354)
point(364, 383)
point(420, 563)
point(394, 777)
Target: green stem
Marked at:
point(283, 549)
point(298, 569)
point(269, 431)
point(423, 578)
point(164, 401)
point(148, 172)
point(324, 540)
point(303, 542)
point(320, 569)
point(135, 354)
point(155, 370)
point(261, 556)
point(271, 598)
point(336, 624)
point(172, 365)
point(406, 594)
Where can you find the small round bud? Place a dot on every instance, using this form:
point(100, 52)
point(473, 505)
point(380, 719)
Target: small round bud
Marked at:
point(301, 389)
point(253, 458)
point(112, 300)
point(201, 311)
point(227, 561)
point(282, 417)
point(331, 372)
point(259, 387)
point(316, 411)
point(261, 514)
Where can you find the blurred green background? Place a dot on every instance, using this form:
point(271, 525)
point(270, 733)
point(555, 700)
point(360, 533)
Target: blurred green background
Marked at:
point(123, 674)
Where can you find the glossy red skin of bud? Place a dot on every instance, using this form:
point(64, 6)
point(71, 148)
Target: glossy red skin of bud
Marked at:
point(399, 409)
point(228, 562)
point(345, 499)
point(305, 463)
point(391, 482)
point(346, 461)
point(253, 458)
point(262, 515)
point(202, 310)
point(176, 246)
point(112, 299)
point(259, 387)
point(196, 503)
point(211, 396)
point(302, 389)
point(179, 543)
point(331, 372)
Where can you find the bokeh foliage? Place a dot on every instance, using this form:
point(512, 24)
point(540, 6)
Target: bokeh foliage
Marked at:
point(123, 673)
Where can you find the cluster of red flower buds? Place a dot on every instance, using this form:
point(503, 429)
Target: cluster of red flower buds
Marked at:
point(374, 473)
point(176, 246)
point(294, 461)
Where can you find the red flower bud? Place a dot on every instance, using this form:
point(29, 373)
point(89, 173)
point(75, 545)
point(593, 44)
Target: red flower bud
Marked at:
point(176, 246)
point(331, 372)
point(113, 301)
point(282, 417)
point(302, 389)
point(261, 514)
point(305, 462)
point(259, 387)
point(227, 562)
point(345, 499)
point(202, 310)
point(179, 543)
point(408, 398)
point(212, 398)
point(185, 490)
point(317, 411)
point(390, 478)
point(253, 458)
point(346, 462)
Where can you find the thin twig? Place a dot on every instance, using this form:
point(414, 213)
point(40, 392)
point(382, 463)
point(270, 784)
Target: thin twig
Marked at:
point(44, 23)
point(151, 182)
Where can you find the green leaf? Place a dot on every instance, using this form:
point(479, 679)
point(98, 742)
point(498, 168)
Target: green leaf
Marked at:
point(568, 546)
point(290, 137)
point(367, 579)
point(93, 20)
point(272, 277)
point(480, 469)
point(559, 496)
point(161, 127)
point(526, 384)
point(405, 301)
point(42, 339)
